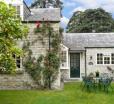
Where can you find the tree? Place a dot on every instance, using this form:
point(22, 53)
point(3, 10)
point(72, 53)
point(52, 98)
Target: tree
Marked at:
point(46, 4)
point(38, 4)
point(91, 20)
point(11, 30)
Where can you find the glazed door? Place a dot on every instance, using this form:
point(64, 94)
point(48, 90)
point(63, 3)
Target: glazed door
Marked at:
point(75, 65)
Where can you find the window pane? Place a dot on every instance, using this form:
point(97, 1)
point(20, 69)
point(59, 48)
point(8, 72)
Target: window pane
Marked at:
point(112, 58)
point(99, 58)
point(17, 60)
point(63, 56)
point(106, 60)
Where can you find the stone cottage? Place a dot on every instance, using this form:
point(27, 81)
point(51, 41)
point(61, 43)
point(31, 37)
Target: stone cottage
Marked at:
point(29, 17)
point(82, 53)
point(86, 53)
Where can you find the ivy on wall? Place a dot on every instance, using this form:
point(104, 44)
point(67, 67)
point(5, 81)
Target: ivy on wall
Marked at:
point(44, 70)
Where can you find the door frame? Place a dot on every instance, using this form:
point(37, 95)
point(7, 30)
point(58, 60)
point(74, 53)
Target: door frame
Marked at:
point(70, 65)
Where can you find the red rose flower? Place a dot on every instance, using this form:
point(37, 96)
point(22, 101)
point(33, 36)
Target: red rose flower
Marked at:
point(37, 24)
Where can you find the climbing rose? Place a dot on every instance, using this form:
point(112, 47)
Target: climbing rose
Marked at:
point(37, 24)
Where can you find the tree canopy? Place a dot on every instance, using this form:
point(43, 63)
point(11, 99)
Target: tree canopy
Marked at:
point(91, 20)
point(46, 4)
point(11, 29)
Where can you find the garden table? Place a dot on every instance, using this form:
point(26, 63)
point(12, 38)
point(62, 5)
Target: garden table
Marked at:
point(106, 83)
point(97, 82)
point(88, 83)
point(96, 79)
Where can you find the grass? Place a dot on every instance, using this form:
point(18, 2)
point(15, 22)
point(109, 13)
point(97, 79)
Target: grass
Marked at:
point(72, 94)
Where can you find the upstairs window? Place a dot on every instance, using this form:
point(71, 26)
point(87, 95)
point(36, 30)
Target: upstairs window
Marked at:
point(17, 8)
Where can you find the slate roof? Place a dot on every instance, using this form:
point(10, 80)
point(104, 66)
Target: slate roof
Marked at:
point(78, 41)
point(49, 14)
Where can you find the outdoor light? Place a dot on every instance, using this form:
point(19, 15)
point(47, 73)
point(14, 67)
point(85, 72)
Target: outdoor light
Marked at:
point(91, 57)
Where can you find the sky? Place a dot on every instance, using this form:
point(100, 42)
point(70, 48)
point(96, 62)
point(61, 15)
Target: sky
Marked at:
point(70, 6)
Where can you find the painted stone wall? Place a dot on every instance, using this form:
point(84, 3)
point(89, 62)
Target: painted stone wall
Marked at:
point(93, 67)
point(91, 63)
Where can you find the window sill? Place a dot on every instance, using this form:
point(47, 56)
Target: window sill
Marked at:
point(66, 68)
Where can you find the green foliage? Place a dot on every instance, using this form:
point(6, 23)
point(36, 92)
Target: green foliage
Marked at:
point(7, 64)
point(11, 30)
point(42, 29)
point(33, 67)
point(46, 31)
point(51, 66)
point(91, 20)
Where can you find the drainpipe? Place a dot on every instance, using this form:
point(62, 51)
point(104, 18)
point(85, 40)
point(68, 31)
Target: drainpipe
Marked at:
point(49, 78)
point(85, 64)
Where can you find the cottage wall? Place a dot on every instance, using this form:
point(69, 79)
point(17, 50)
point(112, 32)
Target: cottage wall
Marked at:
point(91, 63)
point(102, 68)
point(16, 81)
point(24, 80)
point(19, 81)
point(40, 49)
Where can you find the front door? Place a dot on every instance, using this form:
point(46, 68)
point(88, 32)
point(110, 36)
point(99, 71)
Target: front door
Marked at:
point(75, 65)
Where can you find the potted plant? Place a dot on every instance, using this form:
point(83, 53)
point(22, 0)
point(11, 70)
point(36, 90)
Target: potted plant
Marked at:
point(97, 73)
point(91, 75)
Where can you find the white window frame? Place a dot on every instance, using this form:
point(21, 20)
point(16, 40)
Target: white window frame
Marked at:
point(64, 65)
point(105, 55)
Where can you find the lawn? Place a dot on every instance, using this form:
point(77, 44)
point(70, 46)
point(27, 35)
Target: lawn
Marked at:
point(72, 94)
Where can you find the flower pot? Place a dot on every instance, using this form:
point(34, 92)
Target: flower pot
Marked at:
point(97, 74)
